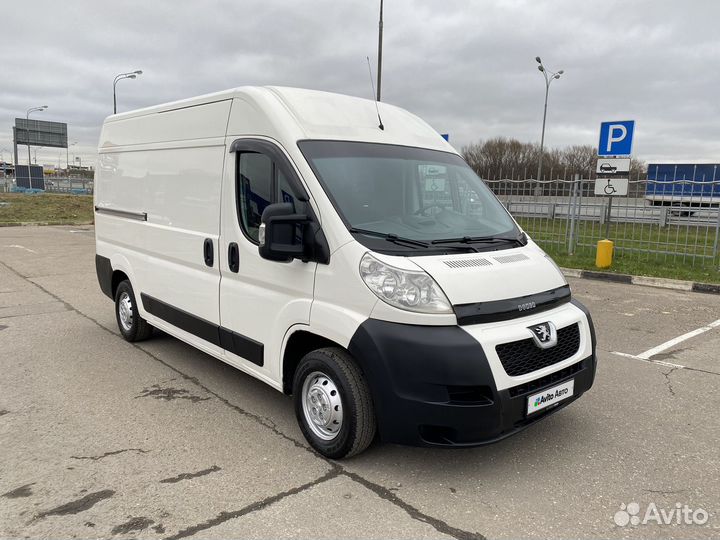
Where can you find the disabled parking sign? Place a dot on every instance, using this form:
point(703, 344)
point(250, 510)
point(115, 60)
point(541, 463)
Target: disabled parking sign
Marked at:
point(616, 138)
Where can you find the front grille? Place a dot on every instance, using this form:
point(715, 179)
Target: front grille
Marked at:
point(547, 380)
point(521, 357)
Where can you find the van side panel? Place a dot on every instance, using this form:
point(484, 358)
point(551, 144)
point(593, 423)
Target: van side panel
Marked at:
point(179, 190)
point(201, 121)
point(158, 203)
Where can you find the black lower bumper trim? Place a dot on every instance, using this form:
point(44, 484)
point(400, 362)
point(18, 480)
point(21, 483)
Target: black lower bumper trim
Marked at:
point(104, 271)
point(433, 386)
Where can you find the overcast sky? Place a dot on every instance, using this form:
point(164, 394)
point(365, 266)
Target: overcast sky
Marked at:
point(465, 66)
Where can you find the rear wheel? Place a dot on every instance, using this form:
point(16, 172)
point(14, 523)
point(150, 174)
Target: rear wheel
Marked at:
point(132, 326)
point(333, 404)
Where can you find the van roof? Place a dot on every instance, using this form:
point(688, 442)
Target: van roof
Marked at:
point(318, 115)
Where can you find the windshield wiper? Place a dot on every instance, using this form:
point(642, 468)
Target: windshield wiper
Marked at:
point(394, 238)
point(519, 240)
point(390, 237)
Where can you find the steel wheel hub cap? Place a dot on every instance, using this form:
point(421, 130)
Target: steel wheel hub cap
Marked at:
point(322, 405)
point(125, 311)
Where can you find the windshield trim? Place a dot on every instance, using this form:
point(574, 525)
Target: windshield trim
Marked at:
point(449, 158)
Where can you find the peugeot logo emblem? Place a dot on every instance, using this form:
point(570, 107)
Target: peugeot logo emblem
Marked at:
point(544, 334)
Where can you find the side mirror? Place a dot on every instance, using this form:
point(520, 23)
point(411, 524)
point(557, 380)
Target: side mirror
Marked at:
point(281, 233)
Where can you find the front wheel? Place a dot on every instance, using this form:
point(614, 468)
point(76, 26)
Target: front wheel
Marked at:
point(333, 404)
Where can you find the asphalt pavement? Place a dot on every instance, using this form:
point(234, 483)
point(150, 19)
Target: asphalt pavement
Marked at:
point(103, 438)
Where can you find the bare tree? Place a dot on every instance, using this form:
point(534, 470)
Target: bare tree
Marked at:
point(579, 159)
point(501, 158)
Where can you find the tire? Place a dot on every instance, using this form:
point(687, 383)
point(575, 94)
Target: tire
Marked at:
point(318, 374)
point(132, 326)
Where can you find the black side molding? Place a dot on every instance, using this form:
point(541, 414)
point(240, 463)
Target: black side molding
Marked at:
point(182, 319)
point(511, 308)
point(104, 271)
point(247, 348)
point(137, 216)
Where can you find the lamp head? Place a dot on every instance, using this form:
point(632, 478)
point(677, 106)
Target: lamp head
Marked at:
point(537, 59)
point(138, 72)
point(540, 68)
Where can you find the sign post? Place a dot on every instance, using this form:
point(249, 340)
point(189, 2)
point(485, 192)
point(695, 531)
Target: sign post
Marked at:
point(614, 150)
point(610, 187)
point(38, 133)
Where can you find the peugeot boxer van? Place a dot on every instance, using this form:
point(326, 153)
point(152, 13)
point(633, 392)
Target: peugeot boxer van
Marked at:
point(343, 252)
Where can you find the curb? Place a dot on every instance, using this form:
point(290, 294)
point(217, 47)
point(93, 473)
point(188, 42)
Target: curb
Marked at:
point(646, 281)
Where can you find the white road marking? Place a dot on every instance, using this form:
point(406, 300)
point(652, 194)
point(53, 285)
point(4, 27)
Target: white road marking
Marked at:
point(626, 355)
point(669, 344)
point(21, 247)
point(647, 355)
point(635, 357)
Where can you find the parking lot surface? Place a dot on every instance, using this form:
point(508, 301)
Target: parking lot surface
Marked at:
point(100, 437)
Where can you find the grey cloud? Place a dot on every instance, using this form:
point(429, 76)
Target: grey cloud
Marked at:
point(465, 66)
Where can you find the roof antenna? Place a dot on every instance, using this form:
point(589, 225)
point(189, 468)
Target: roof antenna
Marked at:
point(372, 84)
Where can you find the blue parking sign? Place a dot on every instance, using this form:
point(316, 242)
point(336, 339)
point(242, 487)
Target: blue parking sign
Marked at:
point(616, 138)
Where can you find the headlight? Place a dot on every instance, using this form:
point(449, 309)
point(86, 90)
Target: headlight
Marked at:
point(403, 289)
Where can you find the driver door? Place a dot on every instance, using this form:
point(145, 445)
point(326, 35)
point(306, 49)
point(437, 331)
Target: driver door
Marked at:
point(259, 299)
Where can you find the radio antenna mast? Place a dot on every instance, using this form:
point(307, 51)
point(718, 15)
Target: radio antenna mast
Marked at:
point(372, 85)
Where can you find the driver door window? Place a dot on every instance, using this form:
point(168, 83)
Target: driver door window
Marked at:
point(259, 183)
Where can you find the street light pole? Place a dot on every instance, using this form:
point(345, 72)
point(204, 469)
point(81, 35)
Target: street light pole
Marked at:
point(380, 44)
point(130, 75)
point(36, 149)
point(67, 158)
point(548, 79)
point(27, 125)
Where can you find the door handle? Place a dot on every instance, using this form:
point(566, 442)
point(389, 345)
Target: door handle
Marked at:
point(208, 252)
point(233, 257)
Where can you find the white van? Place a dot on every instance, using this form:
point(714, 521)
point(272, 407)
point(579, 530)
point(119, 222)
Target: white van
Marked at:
point(358, 264)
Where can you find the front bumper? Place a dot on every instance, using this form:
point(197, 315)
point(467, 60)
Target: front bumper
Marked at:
point(434, 386)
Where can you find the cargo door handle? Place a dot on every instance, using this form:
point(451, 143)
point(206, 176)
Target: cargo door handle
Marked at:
point(233, 257)
point(208, 252)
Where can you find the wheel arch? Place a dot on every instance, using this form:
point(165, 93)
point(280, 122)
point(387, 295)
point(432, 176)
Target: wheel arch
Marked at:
point(298, 343)
point(121, 271)
point(118, 276)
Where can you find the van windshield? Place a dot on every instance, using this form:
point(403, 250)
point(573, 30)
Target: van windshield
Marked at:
point(416, 194)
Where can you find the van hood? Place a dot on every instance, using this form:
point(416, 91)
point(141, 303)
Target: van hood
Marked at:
point(495, 275)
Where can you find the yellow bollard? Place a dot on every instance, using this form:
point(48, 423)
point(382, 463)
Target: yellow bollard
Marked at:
point(604, 255)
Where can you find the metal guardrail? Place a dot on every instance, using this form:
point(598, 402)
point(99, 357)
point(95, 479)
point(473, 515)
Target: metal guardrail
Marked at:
point(75, 186)
point(566, 216)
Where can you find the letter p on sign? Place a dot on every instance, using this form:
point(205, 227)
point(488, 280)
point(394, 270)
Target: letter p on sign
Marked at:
point(616, 138)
